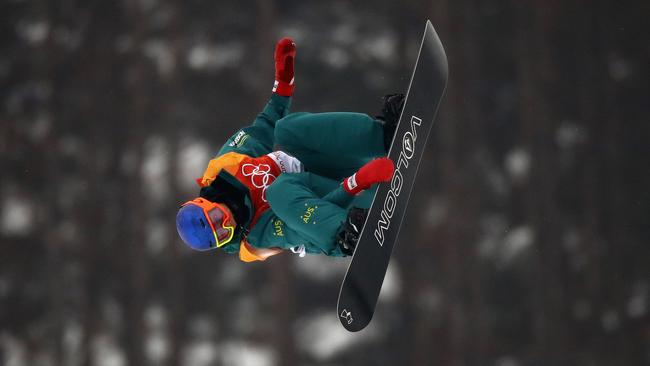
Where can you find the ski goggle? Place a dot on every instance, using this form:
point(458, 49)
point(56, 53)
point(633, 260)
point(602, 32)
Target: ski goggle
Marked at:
point(204, 225)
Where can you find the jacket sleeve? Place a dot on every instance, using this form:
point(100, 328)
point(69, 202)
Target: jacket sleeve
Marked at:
point(258, 138)
point(271, 232)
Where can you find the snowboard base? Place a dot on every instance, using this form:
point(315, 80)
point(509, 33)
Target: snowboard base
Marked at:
point(366, 272)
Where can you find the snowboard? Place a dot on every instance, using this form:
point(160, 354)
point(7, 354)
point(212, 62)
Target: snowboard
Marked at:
point(367, 269)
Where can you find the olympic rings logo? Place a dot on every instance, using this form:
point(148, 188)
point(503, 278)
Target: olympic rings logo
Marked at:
point(261, 176)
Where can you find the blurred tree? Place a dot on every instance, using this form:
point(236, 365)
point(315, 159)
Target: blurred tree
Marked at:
point(524, 243)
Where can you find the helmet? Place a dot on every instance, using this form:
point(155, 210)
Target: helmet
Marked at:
point(205, 225)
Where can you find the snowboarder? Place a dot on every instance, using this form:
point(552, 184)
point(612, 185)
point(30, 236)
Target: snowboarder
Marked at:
point(310, 195)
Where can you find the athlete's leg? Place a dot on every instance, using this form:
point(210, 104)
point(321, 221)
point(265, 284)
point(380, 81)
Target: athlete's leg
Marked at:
point(333, 144)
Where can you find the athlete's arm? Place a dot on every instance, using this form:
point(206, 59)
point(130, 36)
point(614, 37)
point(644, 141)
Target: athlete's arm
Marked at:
point(258, 139)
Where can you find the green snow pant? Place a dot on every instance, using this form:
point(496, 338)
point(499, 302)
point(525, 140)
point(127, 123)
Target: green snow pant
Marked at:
point(332, 146)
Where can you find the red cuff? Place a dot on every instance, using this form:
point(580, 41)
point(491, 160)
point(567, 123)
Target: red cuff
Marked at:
point(283, 89)
point(351, 186)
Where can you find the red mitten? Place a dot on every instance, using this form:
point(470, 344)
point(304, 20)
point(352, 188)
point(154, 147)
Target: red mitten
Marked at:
point(378, 170)
point(285, 53)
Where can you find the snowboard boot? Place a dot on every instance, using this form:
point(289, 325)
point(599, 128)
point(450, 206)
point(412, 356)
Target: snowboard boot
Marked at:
point(393, 105)
point(348, 237)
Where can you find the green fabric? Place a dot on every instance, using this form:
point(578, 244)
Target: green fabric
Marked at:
point(334, 145)
point(309, 208)
point(258, 139)
point(305, 217)
point(302, 215)
point(306, 208)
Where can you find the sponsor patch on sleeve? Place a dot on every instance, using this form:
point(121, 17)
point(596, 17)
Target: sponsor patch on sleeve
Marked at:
point(239, 139)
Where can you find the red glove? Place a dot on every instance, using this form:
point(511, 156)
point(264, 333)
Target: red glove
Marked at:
point(378, 170)
point(285, 53)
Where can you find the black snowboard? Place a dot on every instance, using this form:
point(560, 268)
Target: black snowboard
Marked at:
point(365, 275)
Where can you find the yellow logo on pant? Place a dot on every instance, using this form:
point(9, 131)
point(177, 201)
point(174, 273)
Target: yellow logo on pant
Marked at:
point(309, 212)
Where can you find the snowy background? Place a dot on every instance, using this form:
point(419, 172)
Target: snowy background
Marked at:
point(527, 241)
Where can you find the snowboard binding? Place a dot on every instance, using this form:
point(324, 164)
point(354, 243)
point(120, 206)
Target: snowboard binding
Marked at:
point(348, 237)
point(390, 113)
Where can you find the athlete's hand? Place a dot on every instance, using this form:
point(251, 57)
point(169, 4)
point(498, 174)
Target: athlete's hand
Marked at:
point(285, 54)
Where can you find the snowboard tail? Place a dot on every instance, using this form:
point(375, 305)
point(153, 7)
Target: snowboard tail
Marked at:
point(366, 272)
